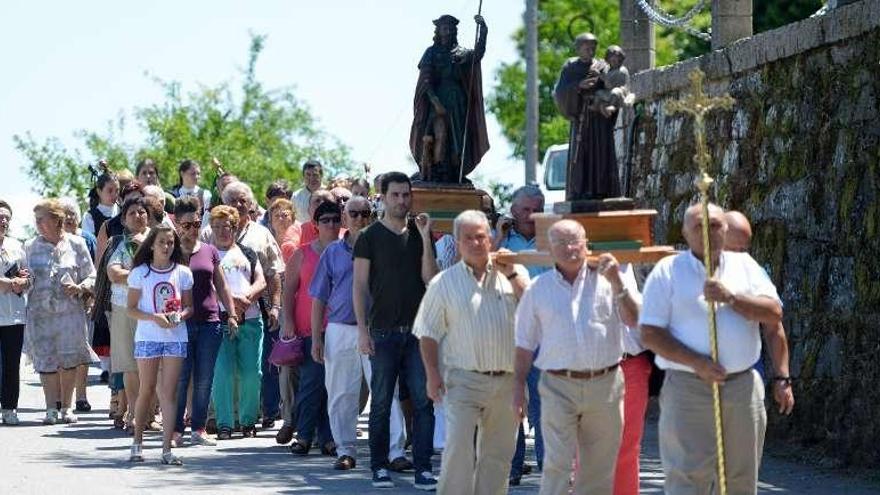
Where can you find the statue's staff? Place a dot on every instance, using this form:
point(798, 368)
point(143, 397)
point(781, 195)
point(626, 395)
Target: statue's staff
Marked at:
point(573, 157)
point(699, 104)
point(467, 112)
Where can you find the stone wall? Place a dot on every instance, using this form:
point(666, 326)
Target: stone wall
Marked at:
point(800, 155)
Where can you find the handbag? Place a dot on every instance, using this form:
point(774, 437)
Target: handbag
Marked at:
point(287, 352)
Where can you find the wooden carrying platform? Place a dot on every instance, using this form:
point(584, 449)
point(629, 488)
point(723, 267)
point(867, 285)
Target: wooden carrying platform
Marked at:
point(631, 227)
point(444, 204)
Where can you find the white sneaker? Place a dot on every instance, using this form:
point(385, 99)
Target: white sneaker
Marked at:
point(51, 416)
point(202, 438)
point(67, 416)
point(9, 417)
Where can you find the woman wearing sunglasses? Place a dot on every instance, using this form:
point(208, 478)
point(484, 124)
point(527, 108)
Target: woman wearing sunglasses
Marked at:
point(203, 328)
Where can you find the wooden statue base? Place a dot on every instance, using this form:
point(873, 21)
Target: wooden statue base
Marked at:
point(443, 203)
point(593, 205)
point(626, 234)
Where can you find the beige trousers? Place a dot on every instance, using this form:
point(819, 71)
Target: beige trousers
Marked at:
point(481, 403)
point(687, 433)
point(583, 417)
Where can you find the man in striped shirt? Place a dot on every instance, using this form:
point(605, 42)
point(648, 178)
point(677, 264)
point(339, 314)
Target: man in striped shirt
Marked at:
point(469, 310)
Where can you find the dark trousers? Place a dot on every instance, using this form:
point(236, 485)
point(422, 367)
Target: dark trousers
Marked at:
point(311, 400)
point(397, 355)
point(270, 391)
point(204, 339)
point(11, 340)
point(534, 414)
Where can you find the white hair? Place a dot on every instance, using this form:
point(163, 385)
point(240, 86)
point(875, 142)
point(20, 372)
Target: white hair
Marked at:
point(530, 191)
point(236, 188)
point(70, 206)
point(154, 191)
point(469, 217)
point(566, 225)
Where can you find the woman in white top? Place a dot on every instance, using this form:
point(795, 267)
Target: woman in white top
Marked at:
point(102, 202)
point(189, 172)
point(160, 298)
point(13, 284)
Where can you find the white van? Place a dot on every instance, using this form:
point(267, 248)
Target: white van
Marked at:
point(551, 175)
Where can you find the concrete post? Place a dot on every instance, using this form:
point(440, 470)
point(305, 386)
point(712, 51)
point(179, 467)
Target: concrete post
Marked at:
point(531, 22)
point(636, 37)
point(731, 21)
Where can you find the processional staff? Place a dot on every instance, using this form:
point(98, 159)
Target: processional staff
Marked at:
point(698, 104)
point(467, 112)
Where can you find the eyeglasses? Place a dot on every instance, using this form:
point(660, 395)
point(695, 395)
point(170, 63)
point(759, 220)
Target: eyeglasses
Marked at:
point(568, 242)
point(222, 226)
point(365, 214)
point(329, 220)
point(189, 225)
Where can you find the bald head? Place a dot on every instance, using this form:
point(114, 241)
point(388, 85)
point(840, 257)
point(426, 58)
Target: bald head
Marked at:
point(566, 230)
point(739, 232)
point(693, 231)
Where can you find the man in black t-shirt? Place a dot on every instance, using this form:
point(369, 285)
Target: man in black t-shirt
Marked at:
point(393, 261)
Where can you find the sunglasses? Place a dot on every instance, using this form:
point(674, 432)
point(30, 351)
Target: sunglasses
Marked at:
point(365, 214)
point(329, 220)
point(189, 225)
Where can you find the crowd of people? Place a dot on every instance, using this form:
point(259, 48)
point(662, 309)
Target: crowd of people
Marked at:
point(211, 314)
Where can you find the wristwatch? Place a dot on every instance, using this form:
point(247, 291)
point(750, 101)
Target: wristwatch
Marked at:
point(513, 275)
point(785, 380)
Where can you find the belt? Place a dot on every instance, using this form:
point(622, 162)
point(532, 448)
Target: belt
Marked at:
point(398, 329)
point(492, 373)
point(583, 374)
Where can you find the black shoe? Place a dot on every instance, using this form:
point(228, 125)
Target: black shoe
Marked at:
point(249, 431)
point(83, 406)
point(225, 433)
point(284, 435)
point(329, 448)
point(400, 465)
point(526, 469)
point(344, 463)
point(105, 377)
point(514, 480)
point(300, 447)
point(268, 423)
point(58, 405)
point(381, 479)
point(211, 426)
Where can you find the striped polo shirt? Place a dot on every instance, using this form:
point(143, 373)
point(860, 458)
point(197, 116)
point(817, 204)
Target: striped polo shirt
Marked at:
point(472, 320)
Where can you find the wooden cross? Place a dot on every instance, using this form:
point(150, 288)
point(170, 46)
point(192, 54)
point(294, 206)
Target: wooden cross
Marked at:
point(699, 104)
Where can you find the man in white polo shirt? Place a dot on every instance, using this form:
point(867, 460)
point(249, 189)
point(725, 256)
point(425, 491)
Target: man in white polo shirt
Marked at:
point(674, 324)
point(577, 315)
point(469, 309)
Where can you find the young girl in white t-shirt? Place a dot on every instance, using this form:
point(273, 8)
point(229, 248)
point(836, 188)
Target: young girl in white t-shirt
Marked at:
point(160, 299)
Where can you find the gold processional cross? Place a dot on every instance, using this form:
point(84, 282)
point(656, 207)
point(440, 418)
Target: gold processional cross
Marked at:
point(698, 104)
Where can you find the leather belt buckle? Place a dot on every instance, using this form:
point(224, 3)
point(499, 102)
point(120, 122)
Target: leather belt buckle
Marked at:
point(493, 373)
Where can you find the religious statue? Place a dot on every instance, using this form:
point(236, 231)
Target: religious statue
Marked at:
point(589, 93)
point(448, 135)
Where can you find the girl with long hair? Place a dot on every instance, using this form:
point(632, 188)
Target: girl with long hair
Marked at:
point(160, 299)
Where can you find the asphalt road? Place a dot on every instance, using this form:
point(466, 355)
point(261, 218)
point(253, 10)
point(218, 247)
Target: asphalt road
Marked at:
point(91, 458)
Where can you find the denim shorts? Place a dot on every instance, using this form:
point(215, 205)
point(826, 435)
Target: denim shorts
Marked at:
point(148, 350)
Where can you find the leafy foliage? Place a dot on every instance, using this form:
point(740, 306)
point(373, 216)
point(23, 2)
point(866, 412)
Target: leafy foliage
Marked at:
point(258, 134)
point(559, 21)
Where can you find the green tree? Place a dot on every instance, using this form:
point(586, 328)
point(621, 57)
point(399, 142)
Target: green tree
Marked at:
point(258, 134)
point(559, 21)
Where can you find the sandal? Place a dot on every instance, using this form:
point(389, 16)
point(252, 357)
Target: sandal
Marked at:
point(224, 433)
point(118, 423)
point(170, 459)
point(300, 447)
point(137, 453)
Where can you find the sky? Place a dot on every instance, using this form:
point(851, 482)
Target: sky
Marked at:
point(78, 65)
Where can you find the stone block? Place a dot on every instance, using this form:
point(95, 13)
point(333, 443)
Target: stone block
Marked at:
point(728, 29)
point(674, 77)
point(732, 8)
point(808, 34)
point(642, 84)
point(743, 55)
point(841, 285)
point(715, 64)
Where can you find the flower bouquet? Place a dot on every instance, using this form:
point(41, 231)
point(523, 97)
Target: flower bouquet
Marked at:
point(172, 310)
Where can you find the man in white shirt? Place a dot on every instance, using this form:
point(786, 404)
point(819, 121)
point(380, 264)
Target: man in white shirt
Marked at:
point(674, 324)
point(577, 314)
point(313, 175)
point(468, 309)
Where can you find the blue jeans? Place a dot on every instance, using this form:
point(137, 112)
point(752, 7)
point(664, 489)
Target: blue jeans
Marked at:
point(203, 343)
point(534, 413)
point(311, 400)
point(271, 393)
point(397, 355)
